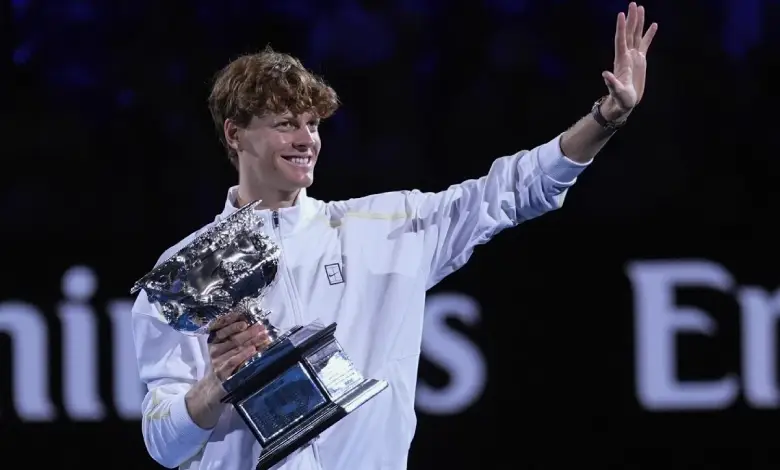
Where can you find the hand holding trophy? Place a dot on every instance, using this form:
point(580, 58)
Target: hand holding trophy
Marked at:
point(288, 387)
point(233, 341)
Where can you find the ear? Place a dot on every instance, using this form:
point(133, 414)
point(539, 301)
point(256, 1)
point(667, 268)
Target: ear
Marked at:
point(231, 131)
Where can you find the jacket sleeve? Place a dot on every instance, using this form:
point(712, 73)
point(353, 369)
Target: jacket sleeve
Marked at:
point(518, 187)
point(169, 363)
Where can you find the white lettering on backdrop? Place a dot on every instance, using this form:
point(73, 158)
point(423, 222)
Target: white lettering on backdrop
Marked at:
point(658, 321)
point(454, 352)
point(26, 326)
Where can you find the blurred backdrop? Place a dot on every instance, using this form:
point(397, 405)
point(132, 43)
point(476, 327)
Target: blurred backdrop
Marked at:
point(634, 328)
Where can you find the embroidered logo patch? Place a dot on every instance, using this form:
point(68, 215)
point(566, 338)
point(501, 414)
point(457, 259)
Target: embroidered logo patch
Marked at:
point(335, 276)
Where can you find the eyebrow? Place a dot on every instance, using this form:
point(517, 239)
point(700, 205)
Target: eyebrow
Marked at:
point(294, 119)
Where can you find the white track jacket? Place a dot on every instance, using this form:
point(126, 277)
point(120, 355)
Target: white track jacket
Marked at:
point(366, 264)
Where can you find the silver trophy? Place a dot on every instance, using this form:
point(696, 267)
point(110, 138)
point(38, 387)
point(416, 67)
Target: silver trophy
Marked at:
point(303, 382)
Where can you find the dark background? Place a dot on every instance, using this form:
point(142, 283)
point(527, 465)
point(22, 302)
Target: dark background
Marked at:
point(109, 157)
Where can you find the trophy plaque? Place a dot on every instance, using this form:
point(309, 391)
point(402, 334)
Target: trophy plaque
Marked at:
point(303, 382)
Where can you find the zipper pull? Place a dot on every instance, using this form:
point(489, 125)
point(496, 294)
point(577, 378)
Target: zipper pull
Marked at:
point(275, 218)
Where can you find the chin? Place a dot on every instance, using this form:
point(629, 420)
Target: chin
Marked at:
point(300, 184)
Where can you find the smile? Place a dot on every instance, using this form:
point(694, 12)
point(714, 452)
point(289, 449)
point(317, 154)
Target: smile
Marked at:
point(302, 162)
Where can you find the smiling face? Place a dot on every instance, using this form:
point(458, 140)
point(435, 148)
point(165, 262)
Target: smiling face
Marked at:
point(278, 150)
point(267, 107)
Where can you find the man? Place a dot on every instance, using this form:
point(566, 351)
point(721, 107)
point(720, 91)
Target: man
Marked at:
point(365, 263)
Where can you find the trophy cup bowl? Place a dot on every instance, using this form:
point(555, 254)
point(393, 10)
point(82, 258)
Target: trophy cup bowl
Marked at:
point(298, 386)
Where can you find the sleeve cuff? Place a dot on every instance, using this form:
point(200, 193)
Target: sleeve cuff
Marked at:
point(183, 424)
point(556, 165)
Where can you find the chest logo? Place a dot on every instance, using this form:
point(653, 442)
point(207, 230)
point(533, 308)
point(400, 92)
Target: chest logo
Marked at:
point(335, 276)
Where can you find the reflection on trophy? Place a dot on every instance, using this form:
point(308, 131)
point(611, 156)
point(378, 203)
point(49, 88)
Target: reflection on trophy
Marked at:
point(303, 382)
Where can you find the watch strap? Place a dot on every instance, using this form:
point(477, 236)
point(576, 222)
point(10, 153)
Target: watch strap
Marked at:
point(601, 120)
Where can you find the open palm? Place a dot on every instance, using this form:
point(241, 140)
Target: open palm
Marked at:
point(626, 82)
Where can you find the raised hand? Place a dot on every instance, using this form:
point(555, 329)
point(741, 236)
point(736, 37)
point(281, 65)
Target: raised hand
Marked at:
point(626, 82)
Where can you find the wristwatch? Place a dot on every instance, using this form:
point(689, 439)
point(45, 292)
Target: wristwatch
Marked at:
point(609, 125)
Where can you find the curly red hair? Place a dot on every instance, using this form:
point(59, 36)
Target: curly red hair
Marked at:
point(267, 82)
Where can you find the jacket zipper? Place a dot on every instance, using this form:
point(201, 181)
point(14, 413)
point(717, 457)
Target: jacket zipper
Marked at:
point(292, 295)
point(290, 285)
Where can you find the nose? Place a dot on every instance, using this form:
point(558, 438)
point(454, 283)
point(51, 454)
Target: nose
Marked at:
point(304, 139)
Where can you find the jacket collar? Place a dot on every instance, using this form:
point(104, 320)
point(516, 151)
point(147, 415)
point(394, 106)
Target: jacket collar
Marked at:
point(290, 219)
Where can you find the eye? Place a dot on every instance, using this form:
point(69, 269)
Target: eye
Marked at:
point(283, 124)
point(314, 125)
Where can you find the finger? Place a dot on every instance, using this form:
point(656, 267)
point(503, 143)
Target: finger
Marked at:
point(222, 352)
point(620, 36)
point(639, 27)
point(631, 25)
point(218, 360)
point(648, 38)
point(256, 330)
point(238, 340)
point(231, 364)
point(220, 348)
point(612, 82)
point(261, 343)
point(232, 329)
point(217, 350)
point(224, 320)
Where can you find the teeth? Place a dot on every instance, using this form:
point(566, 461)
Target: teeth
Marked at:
point(301, 161)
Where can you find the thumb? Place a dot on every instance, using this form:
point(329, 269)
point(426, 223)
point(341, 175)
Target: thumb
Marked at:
point(612, 82)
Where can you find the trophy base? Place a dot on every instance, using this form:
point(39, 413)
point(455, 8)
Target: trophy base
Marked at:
point(308, 429)
point(300, 386)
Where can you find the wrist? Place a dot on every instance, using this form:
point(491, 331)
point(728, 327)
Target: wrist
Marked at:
point(212, 390)
point(612, 111)
point(203, 401)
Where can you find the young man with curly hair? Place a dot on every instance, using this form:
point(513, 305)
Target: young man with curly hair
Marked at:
point(387, 249)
